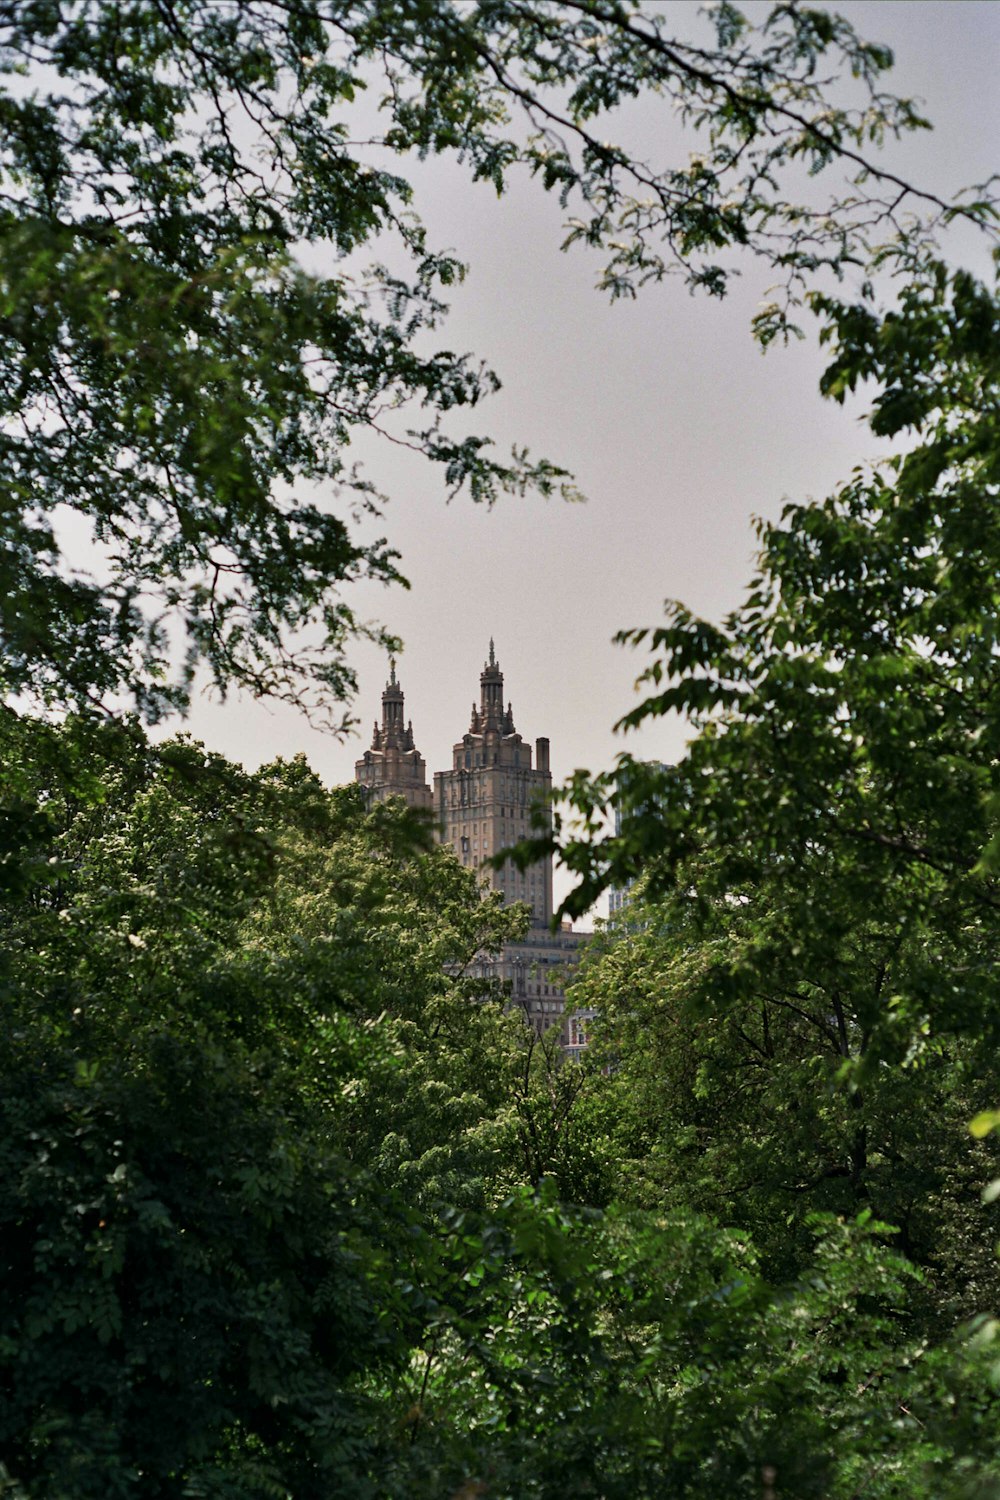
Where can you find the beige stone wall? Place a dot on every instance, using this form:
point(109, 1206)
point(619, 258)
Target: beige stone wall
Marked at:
point(483, 805)
point(394, 773)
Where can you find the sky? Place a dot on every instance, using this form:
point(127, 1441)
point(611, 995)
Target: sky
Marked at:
point(677, 429)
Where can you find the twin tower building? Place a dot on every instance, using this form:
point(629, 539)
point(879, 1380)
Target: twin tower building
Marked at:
point(481, 806)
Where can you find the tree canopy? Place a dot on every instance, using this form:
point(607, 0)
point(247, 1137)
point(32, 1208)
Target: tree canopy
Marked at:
point(843, 772)
point(268, 1226)
point(213, 275)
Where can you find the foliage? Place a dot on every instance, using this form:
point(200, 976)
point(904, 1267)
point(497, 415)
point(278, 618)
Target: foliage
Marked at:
point(284, 1196)
point(802, 1015)
point(741, 1107)
point(199, 1269)
point(637, 1354)
point(369, 930)
point(809, 1015)
point(842, 784)
point(181, 383)
point(191, 1288)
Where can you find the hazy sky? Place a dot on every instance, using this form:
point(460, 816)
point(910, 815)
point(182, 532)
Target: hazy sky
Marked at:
point(678, 431)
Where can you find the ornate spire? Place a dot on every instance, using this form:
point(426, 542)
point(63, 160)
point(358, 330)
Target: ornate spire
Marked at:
point(393, 767)
point(392, 710)
point(491, 692)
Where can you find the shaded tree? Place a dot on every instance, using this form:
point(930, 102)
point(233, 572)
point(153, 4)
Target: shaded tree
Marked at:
point(757, 1100)
point(175, 378)
point(203, 1257)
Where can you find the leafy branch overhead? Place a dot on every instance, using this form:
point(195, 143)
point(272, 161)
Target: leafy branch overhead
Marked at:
point(831, 833)
point(177, 379)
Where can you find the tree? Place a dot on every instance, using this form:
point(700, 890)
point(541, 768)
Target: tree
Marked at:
point(176, 379)
point(374, 922)
point(195, 1283)
point(203, 1254)
point(190, 1265)
point(737, 1106)
point(842, 779)
point(642, 1354)
point(224, 996)
point(822, 865)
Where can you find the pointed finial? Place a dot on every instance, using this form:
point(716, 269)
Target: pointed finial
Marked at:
point(493, 660)
point(392, 672)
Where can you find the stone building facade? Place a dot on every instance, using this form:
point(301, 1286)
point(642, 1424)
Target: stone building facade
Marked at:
point(483, 805)
point(393, 767)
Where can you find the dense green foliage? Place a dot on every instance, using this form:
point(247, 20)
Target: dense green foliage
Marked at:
point(822, 864)
point(802, 1013)
point(200, 1265)
point(270, 1225)
point(766, 1108)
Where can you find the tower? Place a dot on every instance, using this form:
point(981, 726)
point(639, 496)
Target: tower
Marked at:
point(483, 805)
point(485, 802)
point(393, 767)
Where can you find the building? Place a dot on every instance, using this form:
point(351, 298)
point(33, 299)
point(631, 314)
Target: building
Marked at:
point(578, 1026)
point(485, 803)
point(393, 767)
